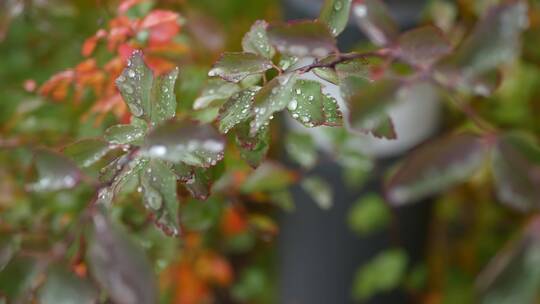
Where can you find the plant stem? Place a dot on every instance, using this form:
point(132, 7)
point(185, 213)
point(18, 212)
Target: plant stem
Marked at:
point(342, 58)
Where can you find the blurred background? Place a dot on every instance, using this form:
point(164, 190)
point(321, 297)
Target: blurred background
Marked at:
point(56, 86)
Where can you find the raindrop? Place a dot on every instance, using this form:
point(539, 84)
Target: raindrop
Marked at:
point(338, 5)
point(131, 73)
point(292, 105)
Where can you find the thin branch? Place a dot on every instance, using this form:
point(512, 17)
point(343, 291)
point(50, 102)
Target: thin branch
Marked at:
point(382, 53)
point(471, 113)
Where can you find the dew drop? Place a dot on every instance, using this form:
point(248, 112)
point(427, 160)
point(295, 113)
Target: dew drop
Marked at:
point(338, 5)
point(292, 105)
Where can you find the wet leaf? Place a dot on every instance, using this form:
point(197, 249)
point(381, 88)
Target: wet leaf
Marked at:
point(272, 98)
point(373, 18)
point(163, 98)
point(135, 85)
point(423, 46)
point(152, 99)
point(495, 40)
point(383, 273)
point(368, 101)
point(287, 62)
point(319, 190)
point(301, 148)
point(234, 67)
point(118, 265)
point(215, 90)
point(158, 186)
point(306, 105)
point(434, 167)
point(87, 152)
point(125, 134)
point(200, 185)
point(252, 149)
point(516, 169)
point(256, 40)
point(513, 275)
point(269, 176)
point(335, 13)
point(236, 110)
point(193, 144)
point(368, 214)
point(302, 38)
point(184, 173)
point(64, 287)
point(55, 172)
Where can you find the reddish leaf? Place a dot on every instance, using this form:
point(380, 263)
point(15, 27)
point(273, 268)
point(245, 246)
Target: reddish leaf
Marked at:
point(374, 20)
point(435, 166)
point(302, 38)
point(162, 26)
point(516, 167)
point(423, 46)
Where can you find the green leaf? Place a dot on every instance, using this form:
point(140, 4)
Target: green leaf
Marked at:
point(516, 165)
point(64, 287)
point(152, 99)
point(215, 90)
point(184, 173)
point(8, 249)
point(287, 62)
point(302, 38)
point(117, 174)
point(135, 85)
point(251, 285)
point(163, 98)
point(269, 176)
point(319, 190)
point(384, 128)
point(203, 178)
point(328, 74)
point(234, 67)
point(513, 275)
point(17, 278)
point(356, 167)
point(423, 46)
point(158, 186)
point(283, 199)
point(368, 101)
point(434, 167)
point(374, 19)
point(87, 152)
point(200, 215)
point(335, 13)
point(301, 149)
point(332, 114)
point(55, 172)
point(236, 110)
point(125, 134)
point(307, 103)
point(256, 40)
point(383, 273)
point(193, 144)
point(119, 265)
point(272, 98)
point(368, 214)
point(495, 40)
point(252, 149)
